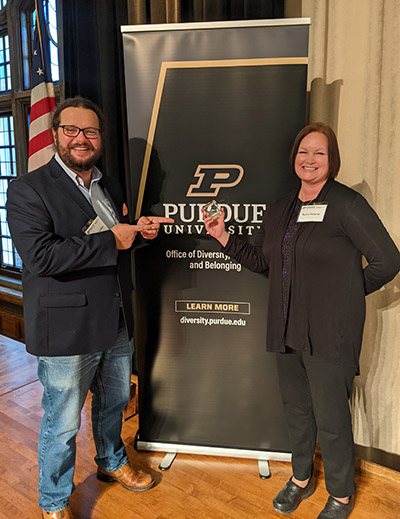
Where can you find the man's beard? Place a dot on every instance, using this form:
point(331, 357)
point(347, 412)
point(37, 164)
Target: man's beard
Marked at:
point(77, 165)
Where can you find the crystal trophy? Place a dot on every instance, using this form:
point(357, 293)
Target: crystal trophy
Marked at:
point(212, 210)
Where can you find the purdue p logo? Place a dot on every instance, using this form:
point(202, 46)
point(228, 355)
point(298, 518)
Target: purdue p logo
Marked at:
point(213, 177)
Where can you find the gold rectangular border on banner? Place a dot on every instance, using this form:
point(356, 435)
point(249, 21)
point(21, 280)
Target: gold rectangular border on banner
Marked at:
point(194, 64)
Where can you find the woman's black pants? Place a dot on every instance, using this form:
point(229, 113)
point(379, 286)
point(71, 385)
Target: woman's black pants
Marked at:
point(315, 397)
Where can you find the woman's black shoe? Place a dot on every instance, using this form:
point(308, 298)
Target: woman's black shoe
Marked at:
point(291, 495)
point(336, 510)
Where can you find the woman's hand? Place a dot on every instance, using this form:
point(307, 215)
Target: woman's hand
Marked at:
point(216, 227)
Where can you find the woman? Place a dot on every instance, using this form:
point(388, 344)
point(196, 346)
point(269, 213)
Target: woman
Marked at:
point(311, 243)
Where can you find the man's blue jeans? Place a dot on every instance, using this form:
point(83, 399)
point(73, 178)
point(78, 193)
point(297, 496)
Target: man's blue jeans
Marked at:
point(66, 382)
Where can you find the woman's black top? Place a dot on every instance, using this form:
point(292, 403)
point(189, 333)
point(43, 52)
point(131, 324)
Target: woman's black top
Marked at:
point(328, 283)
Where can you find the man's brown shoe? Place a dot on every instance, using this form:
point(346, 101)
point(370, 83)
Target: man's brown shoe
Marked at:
point(62, 514)
point(131, 479)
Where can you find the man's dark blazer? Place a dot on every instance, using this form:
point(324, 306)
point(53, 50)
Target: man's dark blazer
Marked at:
point(73, 284)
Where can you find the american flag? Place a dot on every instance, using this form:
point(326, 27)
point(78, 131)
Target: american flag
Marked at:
point(41, 147)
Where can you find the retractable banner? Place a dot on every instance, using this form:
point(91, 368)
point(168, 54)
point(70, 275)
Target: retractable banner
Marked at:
point(212, 112)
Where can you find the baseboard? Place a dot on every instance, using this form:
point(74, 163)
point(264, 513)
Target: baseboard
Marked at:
point(369, 461)
point(379, 462)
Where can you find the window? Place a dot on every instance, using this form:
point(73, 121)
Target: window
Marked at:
point(5, 68)
point(7, 146)
point(17, 23)
point(26, 44)
point(9, 256)
point(51, 16)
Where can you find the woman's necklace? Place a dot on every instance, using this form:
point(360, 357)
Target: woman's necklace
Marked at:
point(311, 194)
point(306, 202)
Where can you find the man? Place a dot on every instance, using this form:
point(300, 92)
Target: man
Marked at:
point(70, 226)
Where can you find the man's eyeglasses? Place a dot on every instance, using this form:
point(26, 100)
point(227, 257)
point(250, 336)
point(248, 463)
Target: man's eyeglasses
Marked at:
point(74, 131)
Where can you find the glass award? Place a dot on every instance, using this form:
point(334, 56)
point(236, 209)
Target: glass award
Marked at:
point(212, 210)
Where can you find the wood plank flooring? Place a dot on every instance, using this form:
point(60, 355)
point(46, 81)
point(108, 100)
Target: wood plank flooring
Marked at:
point(195, 487)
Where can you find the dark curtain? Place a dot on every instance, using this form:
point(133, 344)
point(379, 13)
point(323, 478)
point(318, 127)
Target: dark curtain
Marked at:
point(174, 11)
point(93, 56)
point(93, 68)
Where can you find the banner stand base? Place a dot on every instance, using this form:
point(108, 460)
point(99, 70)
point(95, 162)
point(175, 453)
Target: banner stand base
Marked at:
point(172, 450)
point(263, 469)
point(167, 461)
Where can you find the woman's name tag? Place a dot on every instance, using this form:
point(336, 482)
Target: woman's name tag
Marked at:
point(312, 212)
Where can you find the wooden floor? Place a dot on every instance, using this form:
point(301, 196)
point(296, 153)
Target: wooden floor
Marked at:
point(195, 487)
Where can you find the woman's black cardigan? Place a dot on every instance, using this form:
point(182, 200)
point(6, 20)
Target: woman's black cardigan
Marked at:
point(328, 283)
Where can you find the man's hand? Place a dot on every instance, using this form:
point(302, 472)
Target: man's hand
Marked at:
point(151, 225)
point(124, 235)
point(148, 226)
